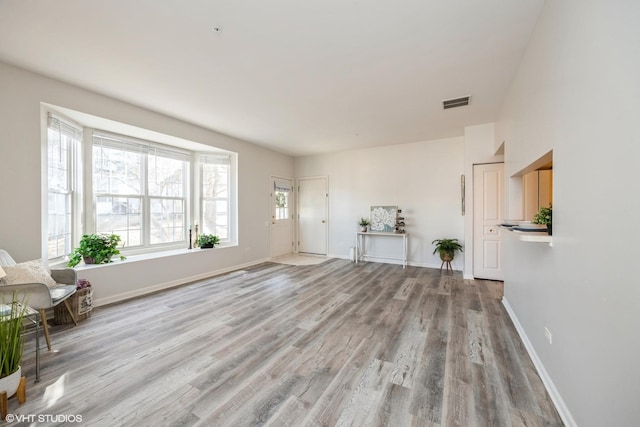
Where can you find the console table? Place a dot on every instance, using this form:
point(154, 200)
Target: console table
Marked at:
point(360, 245)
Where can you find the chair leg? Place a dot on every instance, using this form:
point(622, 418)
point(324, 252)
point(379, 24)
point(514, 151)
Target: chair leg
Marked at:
point(45, 328)
point(73, 316)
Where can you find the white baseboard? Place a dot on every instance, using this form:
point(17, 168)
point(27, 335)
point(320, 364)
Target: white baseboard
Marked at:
point(393, 261)
point(171, 284)
point(566, 416)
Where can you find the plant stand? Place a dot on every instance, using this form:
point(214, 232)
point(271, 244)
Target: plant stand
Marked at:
point(21, 394)
point(80, 304)
point(448, 266)
point(446, 260)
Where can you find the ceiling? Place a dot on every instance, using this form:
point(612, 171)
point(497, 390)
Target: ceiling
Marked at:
point(301, 77)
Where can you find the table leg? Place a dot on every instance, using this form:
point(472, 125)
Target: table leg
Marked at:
point(405, 249)
point(38, 348)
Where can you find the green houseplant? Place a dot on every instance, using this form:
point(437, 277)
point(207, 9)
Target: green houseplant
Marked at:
point(11, 344)
point(208, 241)
point(364, 222)
point(11, 339)
point(447, 248)
point(544, 216)
point(95, 249)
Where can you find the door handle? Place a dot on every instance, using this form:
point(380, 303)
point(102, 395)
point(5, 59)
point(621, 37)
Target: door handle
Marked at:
point(273, 222)
point(323, 221)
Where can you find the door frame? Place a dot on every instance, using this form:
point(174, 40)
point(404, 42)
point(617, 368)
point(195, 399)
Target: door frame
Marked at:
point(474, 211)
point(293, 211)
point(326, 213)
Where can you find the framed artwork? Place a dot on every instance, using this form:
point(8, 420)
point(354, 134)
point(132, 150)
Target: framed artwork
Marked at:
point(383, 219)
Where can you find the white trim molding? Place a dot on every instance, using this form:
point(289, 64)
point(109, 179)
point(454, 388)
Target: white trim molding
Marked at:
point(561, 407)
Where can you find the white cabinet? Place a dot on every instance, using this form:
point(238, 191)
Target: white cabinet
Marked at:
point(537, 190)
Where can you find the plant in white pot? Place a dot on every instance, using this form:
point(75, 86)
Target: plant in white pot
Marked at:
point(363, 223)
point(11, 344)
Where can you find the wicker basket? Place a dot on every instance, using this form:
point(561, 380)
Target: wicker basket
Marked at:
point(81, 304)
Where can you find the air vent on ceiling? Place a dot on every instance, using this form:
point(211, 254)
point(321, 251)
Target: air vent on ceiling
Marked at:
point(457, 102)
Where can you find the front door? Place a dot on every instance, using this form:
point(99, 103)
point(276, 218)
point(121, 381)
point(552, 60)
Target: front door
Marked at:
point(281, 216)
point(312, 215)
point(488, 187)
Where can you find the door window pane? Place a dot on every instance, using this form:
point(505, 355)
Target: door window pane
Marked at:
point(281, 205)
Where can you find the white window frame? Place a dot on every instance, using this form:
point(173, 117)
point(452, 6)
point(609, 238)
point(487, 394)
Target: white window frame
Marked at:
point(202, 159)
point(145, 148)
point(74, 132)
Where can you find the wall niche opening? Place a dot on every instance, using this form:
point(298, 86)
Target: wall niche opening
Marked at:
point(531, 188)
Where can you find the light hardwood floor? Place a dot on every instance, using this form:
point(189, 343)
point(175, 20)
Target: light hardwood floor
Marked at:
point(334, 344)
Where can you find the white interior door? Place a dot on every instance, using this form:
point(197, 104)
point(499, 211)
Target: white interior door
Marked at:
point(282, 203)
point(488, 186)
point(313, 215)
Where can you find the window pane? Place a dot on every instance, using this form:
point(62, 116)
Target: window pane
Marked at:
point(59, 225)
point(62, 137)
point(58, 160)
point(117, 171)
point(281, 205)
point(167, 221)
point(215, 195)
point(121, 216)
point(166, 176)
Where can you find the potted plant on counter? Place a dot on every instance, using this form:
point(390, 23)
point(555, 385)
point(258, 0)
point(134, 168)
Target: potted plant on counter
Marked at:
point(206, 241)
point(544, 216)
point(363, 223)
point(95, 249)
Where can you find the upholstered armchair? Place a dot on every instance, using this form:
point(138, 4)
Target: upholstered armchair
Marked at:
point(41, 296)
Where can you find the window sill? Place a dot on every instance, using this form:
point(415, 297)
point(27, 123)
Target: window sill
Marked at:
point(139, 257)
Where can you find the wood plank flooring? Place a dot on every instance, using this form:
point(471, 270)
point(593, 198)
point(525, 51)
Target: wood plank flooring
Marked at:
point(334, 344)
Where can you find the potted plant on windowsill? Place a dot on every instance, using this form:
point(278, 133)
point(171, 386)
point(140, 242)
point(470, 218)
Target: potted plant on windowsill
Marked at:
point(95, 249)
point(207, 241)
point(363, 223)
point(12, 347)
point(544, 216)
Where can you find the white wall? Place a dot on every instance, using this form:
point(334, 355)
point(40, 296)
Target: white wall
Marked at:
point(577, 92)
point(20, 183)
point(479, 148)
point(422, 179)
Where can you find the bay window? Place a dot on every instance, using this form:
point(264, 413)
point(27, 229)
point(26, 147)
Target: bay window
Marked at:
point(147, 193)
